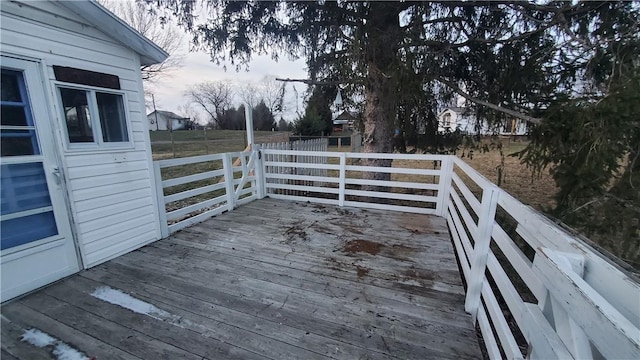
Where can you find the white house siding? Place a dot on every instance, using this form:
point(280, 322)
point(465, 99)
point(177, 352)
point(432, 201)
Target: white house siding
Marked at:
point(467, 123)
point(111, 192)
point(453, 121)
point(161, 122)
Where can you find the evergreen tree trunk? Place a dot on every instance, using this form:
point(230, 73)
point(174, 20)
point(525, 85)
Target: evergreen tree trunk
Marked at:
point(381, 84)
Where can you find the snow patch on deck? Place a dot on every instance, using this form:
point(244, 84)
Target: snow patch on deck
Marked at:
point(61, 350)
point(38, 338)
point(127, 301)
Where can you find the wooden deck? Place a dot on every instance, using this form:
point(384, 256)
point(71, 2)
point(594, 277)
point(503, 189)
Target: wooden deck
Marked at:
point(270, 280)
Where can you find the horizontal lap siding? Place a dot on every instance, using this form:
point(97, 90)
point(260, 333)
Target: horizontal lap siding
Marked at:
point(111, 191)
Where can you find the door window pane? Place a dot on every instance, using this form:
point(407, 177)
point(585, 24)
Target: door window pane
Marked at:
point(13, 116)
point(26, 229)
point(112, 117)
point(24, 189)
point(20, 139)
point(9, 87)
point(77, 116)
point(18, 142)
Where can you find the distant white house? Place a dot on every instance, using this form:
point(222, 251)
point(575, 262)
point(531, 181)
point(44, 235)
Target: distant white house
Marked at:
point(463, 119)
point(456, 118)
point(166, 120)
point(343, 121)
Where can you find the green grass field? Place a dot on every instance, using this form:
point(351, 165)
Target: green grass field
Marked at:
point(198, 142)
point(199, 135)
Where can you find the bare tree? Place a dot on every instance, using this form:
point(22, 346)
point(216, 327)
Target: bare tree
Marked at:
point(272, 93)
point(268, 90)
point(214, 97)
point(189, 112)
point(250, 94)
point(166, 35)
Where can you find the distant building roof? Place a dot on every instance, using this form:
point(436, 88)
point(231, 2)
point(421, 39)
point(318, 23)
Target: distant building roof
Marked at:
point(168, 114)
point(456, 109)
point(344, 118)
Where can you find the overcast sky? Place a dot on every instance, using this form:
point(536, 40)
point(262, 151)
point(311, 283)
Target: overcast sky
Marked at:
point(197, 67)
point(169, 89)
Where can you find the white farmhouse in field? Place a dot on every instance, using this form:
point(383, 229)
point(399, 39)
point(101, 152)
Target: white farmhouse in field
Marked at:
point(464, 120)
point(456, 118)
point(77, 175)
point(166, 120)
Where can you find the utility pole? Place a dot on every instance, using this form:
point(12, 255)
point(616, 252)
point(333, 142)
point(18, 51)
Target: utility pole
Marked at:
point(155, 111)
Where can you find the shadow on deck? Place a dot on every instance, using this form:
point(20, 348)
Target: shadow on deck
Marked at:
point(272, 279)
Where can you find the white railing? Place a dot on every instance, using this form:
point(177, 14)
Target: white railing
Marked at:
point(535, 290)
point(189, 199)
point(566, 300)
point(343, 181)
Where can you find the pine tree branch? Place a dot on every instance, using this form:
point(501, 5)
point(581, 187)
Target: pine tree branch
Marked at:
point(323, 82)
point(501, 109)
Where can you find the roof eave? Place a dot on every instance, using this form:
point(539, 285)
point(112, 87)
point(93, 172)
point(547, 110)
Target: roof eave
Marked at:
point(103, 19)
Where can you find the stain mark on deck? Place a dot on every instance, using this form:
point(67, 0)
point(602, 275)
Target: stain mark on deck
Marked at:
point(413, 273)
point(369, 247)
point(401, 252)
point(362, 271)
point(297, 232)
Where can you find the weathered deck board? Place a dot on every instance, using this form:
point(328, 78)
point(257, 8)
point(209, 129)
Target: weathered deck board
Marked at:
point(26, 317)
point(270, 280)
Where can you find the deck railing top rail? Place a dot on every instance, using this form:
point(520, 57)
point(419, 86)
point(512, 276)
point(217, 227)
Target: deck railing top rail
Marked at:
point(535, 290)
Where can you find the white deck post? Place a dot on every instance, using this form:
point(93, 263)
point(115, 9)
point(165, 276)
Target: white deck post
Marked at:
point(259, 171)
point(162, 210)
point(227, 165)
point(444, 186)
point(544, 342)
point(481, 249)
point(248, 116)
point(569, 332)
point(342, 178)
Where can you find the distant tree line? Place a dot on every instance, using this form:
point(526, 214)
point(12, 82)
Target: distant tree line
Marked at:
point(216, 99)
point(317, 118)
point(234, 118)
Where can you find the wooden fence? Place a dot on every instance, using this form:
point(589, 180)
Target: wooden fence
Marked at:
point(535, 290)
point(284, 173)
point(320, 144)
point(349, 142)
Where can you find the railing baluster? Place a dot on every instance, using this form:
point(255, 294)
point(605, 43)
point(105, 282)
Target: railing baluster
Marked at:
point(342, 176)
point(162, 209)
point(227, 164)
point(446, 172)
point(481, 249)
point(573, 337)
point(259, 171)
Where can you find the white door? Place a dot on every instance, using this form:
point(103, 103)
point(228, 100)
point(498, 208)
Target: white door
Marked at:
point(36, 242)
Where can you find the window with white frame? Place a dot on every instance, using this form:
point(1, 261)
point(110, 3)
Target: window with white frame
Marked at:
point(93, 116)
point(446, 120)
point(93, 108)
